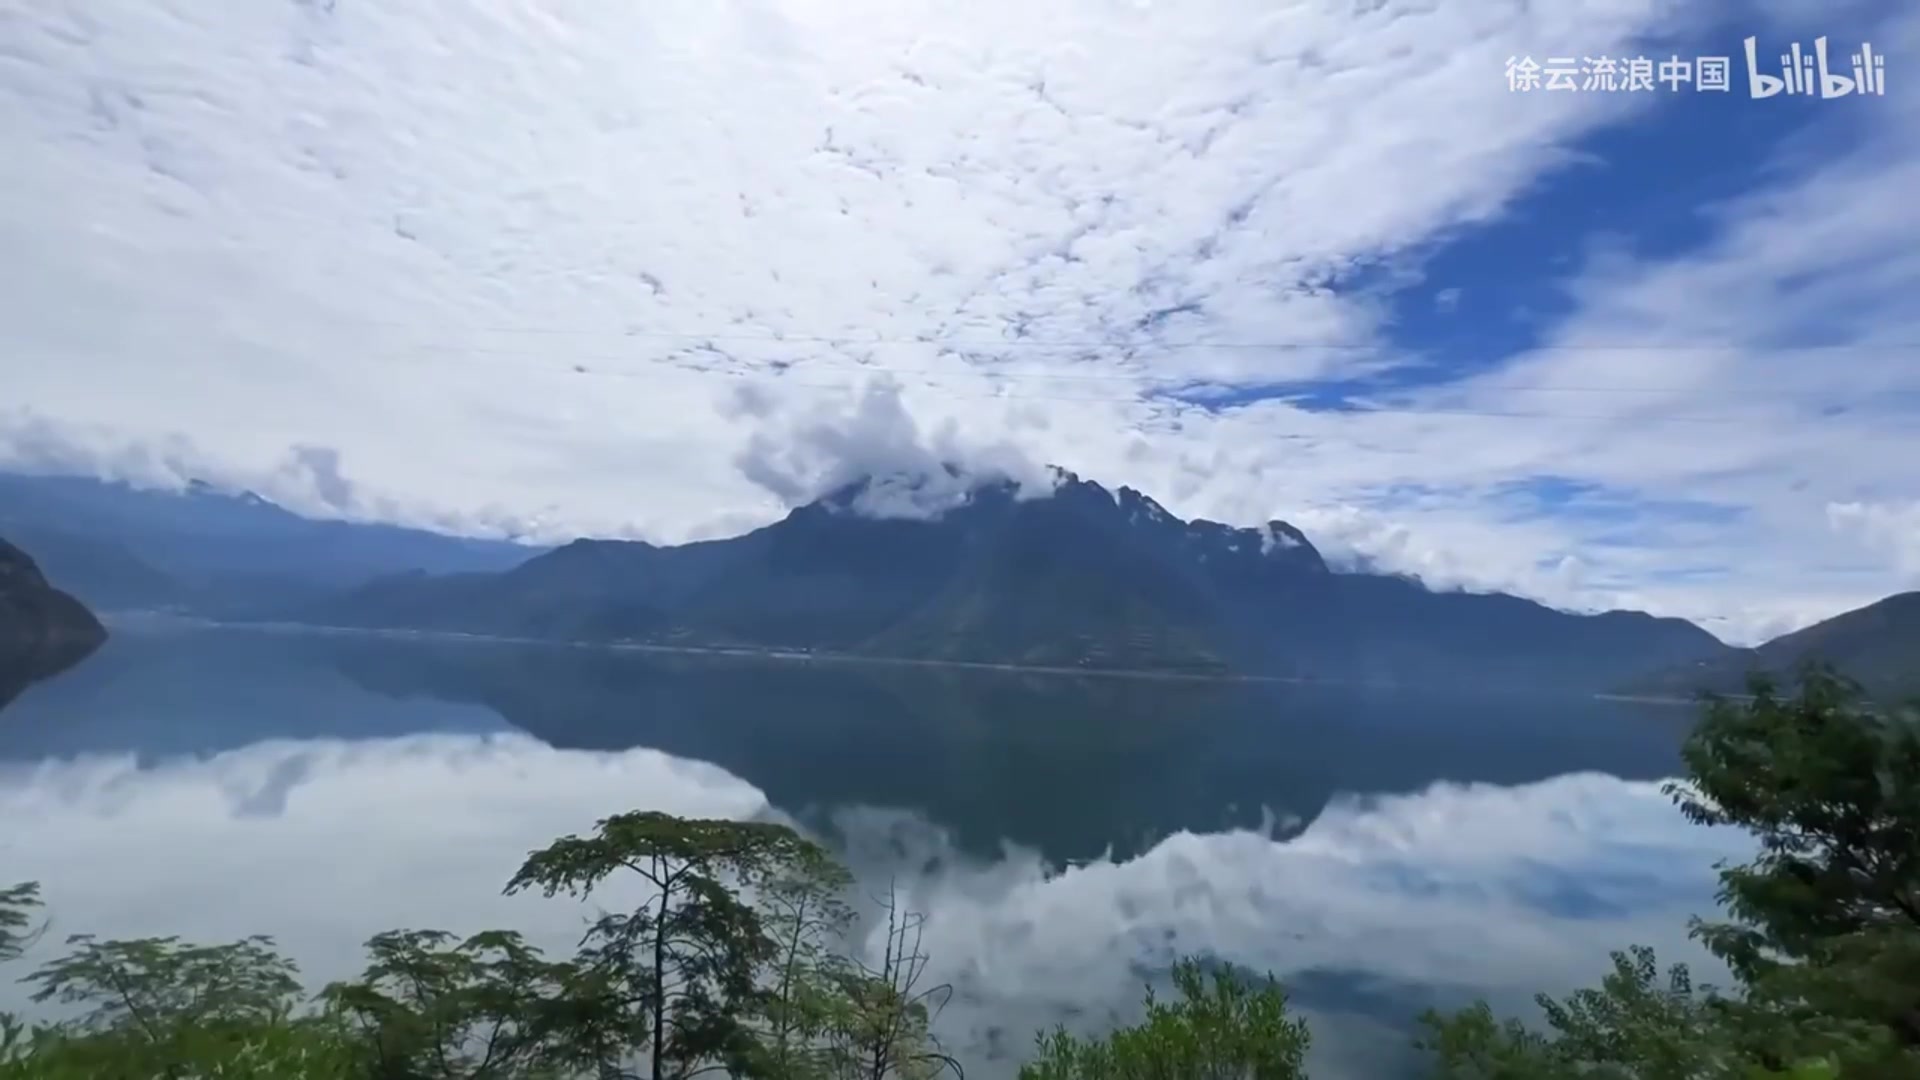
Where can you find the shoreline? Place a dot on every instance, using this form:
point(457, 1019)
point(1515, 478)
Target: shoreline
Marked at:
point(161, 621)
point(154, 620)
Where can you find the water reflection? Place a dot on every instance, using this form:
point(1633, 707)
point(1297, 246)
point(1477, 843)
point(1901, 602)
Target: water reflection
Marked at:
point(1375, 908)
point(161, 693)
point(1072, 767)
point(1066, 837)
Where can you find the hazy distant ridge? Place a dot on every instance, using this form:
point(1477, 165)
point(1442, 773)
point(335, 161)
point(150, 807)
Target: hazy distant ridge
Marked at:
point(204, 551)
point(1877, 646)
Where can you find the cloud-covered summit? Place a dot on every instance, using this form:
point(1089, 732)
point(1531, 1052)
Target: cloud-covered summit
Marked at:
point(877, 449)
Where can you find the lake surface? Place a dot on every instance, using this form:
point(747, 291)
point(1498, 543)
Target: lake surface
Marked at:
point(1065, 837)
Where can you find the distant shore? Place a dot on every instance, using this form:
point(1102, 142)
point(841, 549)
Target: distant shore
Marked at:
point(161, 620)
point(1665, 700)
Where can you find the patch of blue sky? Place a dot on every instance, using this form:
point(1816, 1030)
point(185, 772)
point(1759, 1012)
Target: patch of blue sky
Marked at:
point(1649, 188)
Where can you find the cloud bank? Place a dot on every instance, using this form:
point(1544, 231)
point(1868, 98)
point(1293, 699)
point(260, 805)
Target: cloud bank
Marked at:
point(495, 268)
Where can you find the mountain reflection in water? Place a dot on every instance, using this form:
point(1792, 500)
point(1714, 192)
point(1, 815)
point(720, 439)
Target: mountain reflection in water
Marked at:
point(1380, 853)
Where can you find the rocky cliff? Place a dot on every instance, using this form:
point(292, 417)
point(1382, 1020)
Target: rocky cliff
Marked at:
point(43, 631)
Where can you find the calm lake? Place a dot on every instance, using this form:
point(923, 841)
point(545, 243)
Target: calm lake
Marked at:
point(1065, 837)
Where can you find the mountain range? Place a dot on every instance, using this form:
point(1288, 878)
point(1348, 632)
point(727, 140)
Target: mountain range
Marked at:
point(209, 552)
point(1074, 576)
point(1877, 646)
point(42, 630)
point(1078, 577)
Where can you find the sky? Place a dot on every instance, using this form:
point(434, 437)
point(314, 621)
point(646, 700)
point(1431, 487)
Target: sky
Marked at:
point(662, 270)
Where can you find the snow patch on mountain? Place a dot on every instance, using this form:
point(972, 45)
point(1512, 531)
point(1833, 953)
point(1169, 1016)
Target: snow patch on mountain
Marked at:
point(1279, 536)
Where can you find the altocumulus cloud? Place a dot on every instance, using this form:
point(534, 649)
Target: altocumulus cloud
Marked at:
point(504, 268)
point(1454, 890)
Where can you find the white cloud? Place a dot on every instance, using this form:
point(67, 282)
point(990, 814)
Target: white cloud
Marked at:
point(912, 474)
point(504, 268)
point(1479, 889)
point(1890, 527)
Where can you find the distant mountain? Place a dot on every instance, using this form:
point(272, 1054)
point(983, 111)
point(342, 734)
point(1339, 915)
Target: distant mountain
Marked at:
point(42, 630)
point(204, 551)
point(1082, 577)
point(1878, 646)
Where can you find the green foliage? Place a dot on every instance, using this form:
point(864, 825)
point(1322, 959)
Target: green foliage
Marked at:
point(1659, 1027)
point(296, 1049)
point(1823, 927)
point(161, 1007)
point(1223, 1028)
point(1825, 923)
point(677, 978)
point(150, 985)
point(805, 914)
point(661, 848)
point(17, 906)
point(1610, 1039)
point(1635, 1026)
point(1472, 1044)
point(430, 1005)
point(735, 965)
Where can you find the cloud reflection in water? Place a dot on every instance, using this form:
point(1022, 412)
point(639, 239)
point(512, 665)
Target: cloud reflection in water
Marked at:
point(1374, 909)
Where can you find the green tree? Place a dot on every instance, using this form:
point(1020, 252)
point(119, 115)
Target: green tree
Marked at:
point(431, 1005)
point(1223, 1027)
point(1824, 925)
point(676, 978)
point(1636, 1025)
point(1473, 1044)
point(162, 1007)
point(1822, 928)
point(150, 984)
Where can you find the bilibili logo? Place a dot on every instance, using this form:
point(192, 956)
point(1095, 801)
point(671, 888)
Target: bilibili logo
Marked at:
point(1812, 74)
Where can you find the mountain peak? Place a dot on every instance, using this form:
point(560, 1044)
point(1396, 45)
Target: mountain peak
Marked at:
point(1140, 504)
point(1280, 536)
point(929, 494)
point(201, 489)
point(913, 494)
